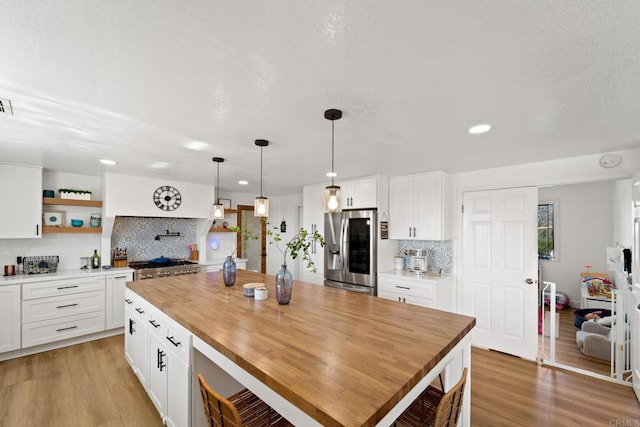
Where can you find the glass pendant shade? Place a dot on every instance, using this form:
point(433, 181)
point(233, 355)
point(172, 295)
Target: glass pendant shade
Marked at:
point(332, 198)
point(217, 212)
point(261, 204)
point(332, 192)
point(261, 207)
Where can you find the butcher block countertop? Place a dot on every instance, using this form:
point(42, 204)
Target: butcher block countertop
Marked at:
point(341, 357)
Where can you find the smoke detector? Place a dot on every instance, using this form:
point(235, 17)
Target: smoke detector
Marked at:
point(610, 160)
point(5, 106)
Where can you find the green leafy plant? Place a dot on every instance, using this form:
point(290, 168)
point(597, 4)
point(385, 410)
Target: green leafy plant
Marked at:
point(69, 190)
point(246, 236)
point(298, 245)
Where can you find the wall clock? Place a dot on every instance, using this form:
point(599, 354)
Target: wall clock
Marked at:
point(167, 198)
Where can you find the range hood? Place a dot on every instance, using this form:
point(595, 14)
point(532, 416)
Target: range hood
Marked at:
point(133, 196)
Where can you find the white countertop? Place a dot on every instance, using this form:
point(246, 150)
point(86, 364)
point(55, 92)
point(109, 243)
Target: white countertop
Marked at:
point(406, 274)
point(61, 274)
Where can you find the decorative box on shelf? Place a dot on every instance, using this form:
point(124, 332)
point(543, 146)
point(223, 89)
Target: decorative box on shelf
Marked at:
point(75, 195)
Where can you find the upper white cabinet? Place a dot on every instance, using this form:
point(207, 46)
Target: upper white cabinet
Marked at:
point(359, 193)
point(21, 187)
point(420, 207)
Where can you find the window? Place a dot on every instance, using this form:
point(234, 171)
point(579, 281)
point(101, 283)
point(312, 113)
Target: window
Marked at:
point(547, 248)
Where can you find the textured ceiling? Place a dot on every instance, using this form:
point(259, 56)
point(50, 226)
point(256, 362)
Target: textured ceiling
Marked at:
point(137, 81)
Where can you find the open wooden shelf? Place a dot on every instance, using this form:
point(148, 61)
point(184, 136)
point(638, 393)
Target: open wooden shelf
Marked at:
point(220, 230)
point(49, 229)
point(71, 202)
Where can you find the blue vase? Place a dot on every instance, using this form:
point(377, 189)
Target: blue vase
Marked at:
point(284, 285)
point(229, 271)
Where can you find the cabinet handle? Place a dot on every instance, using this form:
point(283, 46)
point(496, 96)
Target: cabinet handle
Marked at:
point(120, 277)
point(67, 287)
point(131, 323)
point(161, 355)
point(66, 305)
point(154, 323)
point(414, 232)
point(37, 229)
point(139, 310)
point(399, 299)
point(409, 231)
point(173, 341)
point(66, 329)
point(128, 301)
point(404, 300)
point(403, 287)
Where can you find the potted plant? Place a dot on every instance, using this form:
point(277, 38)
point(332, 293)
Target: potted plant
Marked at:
point(298, 245)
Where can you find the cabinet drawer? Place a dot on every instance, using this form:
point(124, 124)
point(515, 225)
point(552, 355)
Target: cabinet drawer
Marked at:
point(406, 288)
point(54, 288)
point(178, 339)
point(138, 306)
point(62, 306)
point(407, 299)
point(46, 331)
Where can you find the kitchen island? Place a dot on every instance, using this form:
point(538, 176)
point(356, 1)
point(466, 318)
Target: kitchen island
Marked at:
point(330, 357)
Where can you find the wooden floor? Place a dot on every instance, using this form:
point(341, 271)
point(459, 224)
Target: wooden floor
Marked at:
point(91, 384)
point(85, 385)
point(568, 353)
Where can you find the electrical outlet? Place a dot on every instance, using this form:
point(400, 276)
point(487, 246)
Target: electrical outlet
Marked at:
point(5, 106)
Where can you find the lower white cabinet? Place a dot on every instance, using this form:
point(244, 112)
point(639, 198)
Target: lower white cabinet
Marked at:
point(9, 318)
point(166, 349)
point(432, 293)
point(55, 310)
point(114, 310)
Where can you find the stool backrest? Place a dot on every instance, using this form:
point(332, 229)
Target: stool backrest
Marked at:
point(218, 411)
point(450, 406)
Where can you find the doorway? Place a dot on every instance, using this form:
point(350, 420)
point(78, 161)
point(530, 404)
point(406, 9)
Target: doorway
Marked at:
point(253, 250)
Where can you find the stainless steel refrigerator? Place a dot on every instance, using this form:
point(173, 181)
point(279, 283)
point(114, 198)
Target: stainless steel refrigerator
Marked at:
point(350, 251)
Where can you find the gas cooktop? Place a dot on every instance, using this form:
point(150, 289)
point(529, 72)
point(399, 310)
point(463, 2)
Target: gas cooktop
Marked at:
point(150, 264)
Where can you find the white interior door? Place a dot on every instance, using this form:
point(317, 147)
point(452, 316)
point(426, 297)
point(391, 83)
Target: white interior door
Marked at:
point(499, 261)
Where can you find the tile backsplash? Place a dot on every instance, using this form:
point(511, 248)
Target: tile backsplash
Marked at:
point(138, 236)
point(440, 255)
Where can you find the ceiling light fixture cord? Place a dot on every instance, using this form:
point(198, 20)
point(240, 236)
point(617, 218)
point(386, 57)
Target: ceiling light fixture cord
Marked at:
point(333, 124)
point(260, 171)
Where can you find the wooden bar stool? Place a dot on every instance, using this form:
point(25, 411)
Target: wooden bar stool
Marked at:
point(243, 409)
point(434, 407)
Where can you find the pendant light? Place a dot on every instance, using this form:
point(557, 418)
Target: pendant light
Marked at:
point(332, 192)
point(261, 204)
point(218, 209)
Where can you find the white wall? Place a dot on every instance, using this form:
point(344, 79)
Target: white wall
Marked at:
point(584, 229)
point(623, 213)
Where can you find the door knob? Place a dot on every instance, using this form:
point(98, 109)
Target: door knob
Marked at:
point(530, 281)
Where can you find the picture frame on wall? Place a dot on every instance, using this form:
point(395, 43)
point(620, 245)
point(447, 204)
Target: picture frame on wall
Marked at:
point(226, 203)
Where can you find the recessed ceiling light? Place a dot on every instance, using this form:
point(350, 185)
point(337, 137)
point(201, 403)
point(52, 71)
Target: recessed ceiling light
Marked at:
point(332, 174)
point(477, 129)
point(196, 145)
point(243, 182)
point(108, 162)
point(158, 165)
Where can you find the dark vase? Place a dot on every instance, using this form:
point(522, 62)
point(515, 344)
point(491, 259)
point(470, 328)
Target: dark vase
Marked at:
point(284, 285)
point(229, 271)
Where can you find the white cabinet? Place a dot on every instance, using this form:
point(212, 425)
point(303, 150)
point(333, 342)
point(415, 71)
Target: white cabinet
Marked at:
point(114, 310)
point(420, 207)
point(55, 310)
point(359, 193)
point(9, 318)
point(312, 221)
point(22, 186)
point(165, 356)
point(136, 338)
point(438, 293)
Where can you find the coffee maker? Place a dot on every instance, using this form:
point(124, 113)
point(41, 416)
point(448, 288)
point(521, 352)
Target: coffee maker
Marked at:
point(417, 260)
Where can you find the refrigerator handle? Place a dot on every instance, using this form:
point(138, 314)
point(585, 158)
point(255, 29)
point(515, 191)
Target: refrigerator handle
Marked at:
point(344, 245)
